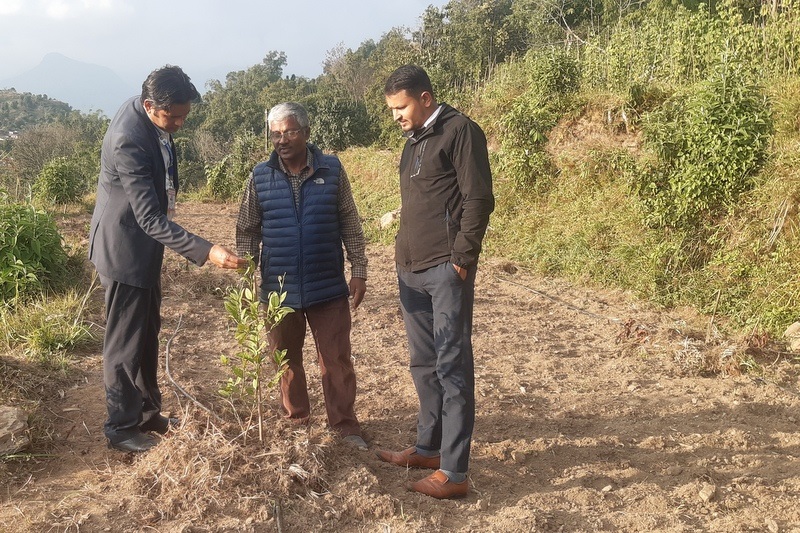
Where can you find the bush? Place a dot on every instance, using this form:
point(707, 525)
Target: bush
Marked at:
point(61, 181)
point(31, 251)
point(551, 80)
point(218, 183)
point(339, 123)
point(710, 140)
point(225, 180)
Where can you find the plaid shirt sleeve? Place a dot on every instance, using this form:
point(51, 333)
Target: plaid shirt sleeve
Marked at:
point(351, 230)
point(248, 223)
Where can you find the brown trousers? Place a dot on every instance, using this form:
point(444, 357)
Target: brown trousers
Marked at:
point(330, 324)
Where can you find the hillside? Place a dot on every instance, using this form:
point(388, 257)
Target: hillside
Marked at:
point(21, 109)
point(589, 418)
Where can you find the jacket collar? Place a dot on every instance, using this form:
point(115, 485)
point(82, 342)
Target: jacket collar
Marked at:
point(442, 113)
point(140, 110)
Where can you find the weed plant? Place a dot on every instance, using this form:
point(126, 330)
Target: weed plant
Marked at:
point(48, 329)
point(710, 140)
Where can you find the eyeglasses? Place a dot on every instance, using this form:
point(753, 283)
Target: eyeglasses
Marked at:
point(276, 136)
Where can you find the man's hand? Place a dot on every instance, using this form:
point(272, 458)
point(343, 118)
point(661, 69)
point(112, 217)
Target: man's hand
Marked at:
point(224, 258)
point(462, 272)
point(358, 288)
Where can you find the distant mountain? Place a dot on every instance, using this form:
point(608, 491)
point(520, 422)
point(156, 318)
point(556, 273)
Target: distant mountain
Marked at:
point(83, 86)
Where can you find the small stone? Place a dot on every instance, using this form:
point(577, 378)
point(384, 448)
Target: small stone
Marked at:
point(481, 505)
point(793, 330)
point(792, 336)
point(388, 218)
point(13, 430)
point(707, 492)
point(518, 456)
point(607, 489)
point(674, 470)
point(772, 526)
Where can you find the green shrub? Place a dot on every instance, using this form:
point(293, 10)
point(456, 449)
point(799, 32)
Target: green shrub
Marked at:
point(218, 184)
point(339, 123)
point(554, 72)
point(61, 181)
point(226, 179)
point(31, 251)
point(551, 80)
point(710, 140)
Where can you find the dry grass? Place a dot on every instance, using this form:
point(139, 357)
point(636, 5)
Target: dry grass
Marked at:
point(207, 467)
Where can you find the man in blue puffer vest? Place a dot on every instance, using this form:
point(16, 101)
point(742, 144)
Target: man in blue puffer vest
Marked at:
point(297, 210)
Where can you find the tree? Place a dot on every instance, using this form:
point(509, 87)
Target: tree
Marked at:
point(393, 50)
point(40, 144)
point(351, 70)
point(236, 106)
point(462, 42)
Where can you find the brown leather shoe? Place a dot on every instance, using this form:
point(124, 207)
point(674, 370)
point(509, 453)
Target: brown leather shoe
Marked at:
point(438, 485)
point(408, 458)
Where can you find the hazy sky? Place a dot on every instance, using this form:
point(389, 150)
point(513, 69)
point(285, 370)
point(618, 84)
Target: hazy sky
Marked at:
point(206, 38)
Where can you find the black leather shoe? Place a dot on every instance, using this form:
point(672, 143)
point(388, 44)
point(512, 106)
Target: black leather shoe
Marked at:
point(160, 424)
point(141, 442)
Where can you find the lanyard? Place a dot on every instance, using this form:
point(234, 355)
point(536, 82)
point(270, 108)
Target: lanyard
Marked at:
point(169, 162)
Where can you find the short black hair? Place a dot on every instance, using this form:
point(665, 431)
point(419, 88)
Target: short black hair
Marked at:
point(410, 78)
point(168, 86)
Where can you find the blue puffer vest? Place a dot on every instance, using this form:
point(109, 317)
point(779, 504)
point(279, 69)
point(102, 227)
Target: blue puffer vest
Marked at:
point(301, 243)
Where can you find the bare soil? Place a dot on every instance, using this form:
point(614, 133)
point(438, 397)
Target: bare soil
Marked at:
point(595, 412)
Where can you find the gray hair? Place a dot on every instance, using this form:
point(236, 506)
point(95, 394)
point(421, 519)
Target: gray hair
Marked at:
point(286, 110)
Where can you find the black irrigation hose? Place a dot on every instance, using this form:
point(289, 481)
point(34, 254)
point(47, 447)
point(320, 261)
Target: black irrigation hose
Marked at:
point(175, 383)
point(558, 300)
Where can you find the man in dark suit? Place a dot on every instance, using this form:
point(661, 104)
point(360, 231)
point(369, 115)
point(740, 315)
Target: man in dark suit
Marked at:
point(130, 227)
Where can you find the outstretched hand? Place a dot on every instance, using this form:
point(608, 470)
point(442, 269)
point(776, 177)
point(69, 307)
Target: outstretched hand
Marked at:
point(224, 258)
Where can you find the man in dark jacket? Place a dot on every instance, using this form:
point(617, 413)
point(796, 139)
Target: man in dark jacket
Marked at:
point(130, 227)
point(446, 200)
point(298, 210)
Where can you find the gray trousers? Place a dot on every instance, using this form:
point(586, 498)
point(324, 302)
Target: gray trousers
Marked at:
point(437, 310)
point(130, 357)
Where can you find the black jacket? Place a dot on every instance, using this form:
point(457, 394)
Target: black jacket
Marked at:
point(446, 193)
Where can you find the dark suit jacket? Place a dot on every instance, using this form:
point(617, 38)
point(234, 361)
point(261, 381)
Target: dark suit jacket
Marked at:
point(129, 226)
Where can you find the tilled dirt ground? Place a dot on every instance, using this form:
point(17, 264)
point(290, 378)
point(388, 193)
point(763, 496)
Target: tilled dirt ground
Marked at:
point(591, 416)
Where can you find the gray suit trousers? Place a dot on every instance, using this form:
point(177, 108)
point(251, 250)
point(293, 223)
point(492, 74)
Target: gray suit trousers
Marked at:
point(437, 310)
